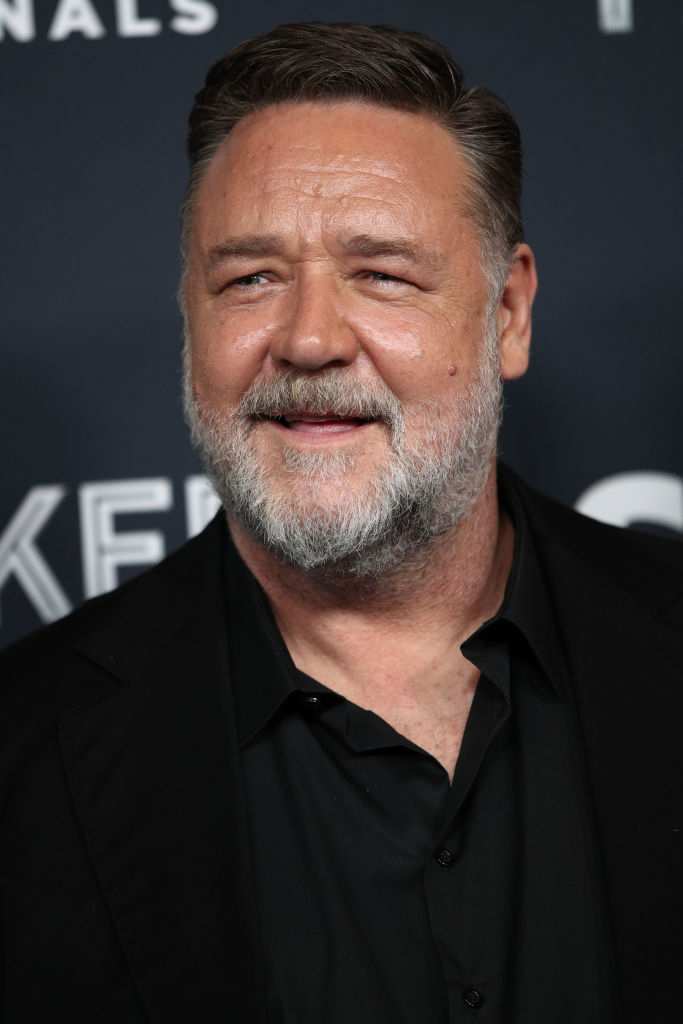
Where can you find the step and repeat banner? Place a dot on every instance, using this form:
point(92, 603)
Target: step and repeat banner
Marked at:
point(98, 478)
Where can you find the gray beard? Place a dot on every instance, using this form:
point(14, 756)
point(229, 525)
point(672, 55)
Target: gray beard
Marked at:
point(427, 483)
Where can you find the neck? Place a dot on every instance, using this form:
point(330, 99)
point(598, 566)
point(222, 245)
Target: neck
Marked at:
point(422, 611)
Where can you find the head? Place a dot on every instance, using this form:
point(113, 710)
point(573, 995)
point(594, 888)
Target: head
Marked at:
point(355, 286)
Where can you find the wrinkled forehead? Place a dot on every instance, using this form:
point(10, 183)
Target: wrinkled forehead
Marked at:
point(332, 159)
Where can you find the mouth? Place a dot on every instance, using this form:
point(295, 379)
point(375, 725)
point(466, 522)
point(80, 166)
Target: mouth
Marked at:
point(304, 422)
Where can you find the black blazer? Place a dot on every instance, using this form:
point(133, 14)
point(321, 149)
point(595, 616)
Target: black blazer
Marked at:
point(126, 888)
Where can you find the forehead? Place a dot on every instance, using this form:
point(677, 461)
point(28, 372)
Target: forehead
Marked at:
point(331, 162)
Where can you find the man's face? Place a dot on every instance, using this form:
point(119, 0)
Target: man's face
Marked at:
point(336, 314)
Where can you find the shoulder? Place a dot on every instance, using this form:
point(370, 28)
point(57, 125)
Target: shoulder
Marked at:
point(645, 566)
point(52, 667)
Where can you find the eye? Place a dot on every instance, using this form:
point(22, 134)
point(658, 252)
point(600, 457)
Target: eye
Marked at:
point(248, 281)
point(383, 280)
point(380, 278)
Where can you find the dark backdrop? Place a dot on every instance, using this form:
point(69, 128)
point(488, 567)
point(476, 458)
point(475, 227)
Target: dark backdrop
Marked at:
point(98, 478)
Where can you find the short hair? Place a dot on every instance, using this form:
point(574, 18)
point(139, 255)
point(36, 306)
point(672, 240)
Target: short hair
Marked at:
point(378, 64)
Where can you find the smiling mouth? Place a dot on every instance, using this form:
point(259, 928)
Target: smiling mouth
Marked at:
point(326, 422)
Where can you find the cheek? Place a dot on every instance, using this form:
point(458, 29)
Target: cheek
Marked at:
point(394, 337)
point(226, 356)
point(417, 353)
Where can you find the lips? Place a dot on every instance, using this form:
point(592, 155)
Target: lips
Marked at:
point(320, 422)
point(317, 423)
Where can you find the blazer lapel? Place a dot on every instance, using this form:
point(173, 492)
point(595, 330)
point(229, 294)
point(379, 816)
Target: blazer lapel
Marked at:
point(154, 774)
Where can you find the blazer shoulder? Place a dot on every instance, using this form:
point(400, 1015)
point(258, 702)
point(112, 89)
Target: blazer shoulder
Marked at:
point(648, 566)
point(52, 665)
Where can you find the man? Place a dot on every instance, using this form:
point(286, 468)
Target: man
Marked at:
point(395, 739)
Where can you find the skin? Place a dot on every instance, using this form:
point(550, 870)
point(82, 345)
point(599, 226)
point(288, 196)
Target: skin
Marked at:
point(334, 235)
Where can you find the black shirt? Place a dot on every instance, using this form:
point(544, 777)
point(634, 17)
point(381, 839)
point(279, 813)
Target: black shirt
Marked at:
point(386, 895)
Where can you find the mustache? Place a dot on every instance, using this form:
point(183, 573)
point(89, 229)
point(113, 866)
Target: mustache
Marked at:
point(334, 392)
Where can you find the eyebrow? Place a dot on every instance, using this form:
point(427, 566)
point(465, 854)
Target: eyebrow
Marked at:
point(371, 247)
point(242, 246)
point(364, 245)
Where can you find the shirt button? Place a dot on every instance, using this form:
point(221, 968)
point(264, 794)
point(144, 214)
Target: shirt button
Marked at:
point(472, 998)
point(444, 857)
point(310, 702)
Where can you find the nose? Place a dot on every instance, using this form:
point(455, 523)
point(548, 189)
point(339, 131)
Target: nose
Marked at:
point(314, 332)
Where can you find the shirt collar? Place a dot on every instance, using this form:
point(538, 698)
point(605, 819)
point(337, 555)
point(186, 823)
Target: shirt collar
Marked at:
point(526, 609)
point(265, 677)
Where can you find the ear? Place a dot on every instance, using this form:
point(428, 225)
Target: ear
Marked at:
point(514, 314)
